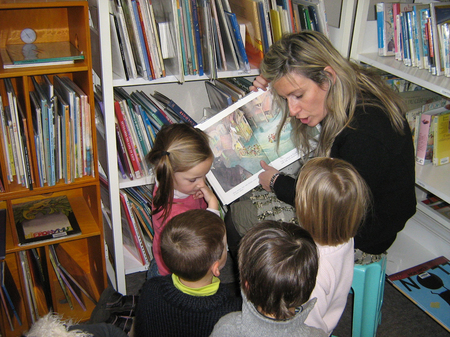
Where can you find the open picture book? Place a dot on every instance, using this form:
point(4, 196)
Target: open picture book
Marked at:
point(241, 136)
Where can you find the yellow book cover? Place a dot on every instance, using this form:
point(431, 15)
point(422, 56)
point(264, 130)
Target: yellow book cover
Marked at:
point(276, 25)
point(441, 152)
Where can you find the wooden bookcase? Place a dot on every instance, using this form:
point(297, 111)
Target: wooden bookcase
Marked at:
point(83, 255)
point(426, 235)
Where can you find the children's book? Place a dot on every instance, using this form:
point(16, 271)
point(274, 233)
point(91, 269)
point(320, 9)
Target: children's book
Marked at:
point(428, 286)
point(441, 129)
point(241, 136)
point(45, 219)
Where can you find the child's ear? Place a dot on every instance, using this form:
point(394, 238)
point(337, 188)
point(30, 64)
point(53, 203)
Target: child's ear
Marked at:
point(215, 268)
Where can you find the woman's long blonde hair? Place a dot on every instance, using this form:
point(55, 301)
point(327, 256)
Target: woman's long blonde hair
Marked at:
point(308, 53)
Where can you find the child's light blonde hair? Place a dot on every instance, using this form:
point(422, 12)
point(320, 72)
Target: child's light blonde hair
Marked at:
point(331, 200)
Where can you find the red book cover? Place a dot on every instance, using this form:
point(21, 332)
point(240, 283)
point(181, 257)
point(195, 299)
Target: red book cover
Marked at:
point(131, 229)
point(144, 33)
point(128, 141)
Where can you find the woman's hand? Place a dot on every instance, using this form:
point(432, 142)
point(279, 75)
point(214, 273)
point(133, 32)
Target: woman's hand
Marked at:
point(259, 82)
point(264, 177)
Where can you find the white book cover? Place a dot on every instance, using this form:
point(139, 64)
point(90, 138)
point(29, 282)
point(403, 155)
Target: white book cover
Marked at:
point(241, 136)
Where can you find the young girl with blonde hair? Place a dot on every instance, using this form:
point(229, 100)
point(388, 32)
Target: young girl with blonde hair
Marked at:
point(180, 159)
point(331, 201)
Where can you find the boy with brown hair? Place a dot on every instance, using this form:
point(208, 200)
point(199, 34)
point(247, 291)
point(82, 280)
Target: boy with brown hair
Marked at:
point(278, 263)
point(191, 300)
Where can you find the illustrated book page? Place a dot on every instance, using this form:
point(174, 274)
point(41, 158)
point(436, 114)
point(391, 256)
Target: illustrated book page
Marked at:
point(241, 136)
point(428, 286)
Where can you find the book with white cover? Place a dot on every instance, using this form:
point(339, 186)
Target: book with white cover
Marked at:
point(241, 136)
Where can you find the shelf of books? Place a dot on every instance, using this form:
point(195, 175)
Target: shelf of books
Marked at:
point(196, 54)
point(427, 234)
point(51, 239)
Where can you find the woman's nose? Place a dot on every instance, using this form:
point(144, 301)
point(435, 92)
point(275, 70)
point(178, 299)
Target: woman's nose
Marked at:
point(294, 109)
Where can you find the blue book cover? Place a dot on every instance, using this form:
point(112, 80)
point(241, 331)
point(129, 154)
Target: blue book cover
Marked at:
point(51, 135)
point(147, 124)
point(237, 39)
point(45, 130)
point(189, 33)
point(198, 42)
point(262, 20)
point(418, 46)
point(424, 15)
point(412, 46)
point(405, 40)
point(428, 286)
point(174, 107)
point(141, 39)
point(150, 108)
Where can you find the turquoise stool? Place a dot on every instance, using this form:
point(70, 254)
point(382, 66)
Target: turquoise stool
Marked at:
point(368, 292)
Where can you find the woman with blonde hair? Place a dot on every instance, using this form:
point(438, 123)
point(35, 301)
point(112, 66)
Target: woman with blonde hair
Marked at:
point(358, 118)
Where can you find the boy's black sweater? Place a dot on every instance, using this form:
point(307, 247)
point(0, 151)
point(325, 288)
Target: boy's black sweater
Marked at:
point(163, 310)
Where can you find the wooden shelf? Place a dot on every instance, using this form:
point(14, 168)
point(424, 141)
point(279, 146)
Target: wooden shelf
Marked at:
point(82, 255)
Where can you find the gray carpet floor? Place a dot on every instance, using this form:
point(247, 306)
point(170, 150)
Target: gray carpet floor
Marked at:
point(400, 316)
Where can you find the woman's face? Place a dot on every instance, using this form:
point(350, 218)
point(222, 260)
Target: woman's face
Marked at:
point(305, 98)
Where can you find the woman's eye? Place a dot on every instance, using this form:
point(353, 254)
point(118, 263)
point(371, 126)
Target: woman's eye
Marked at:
point(192, 180)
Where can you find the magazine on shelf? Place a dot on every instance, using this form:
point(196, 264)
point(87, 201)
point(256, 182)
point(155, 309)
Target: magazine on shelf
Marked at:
point(428, 286)
point(45, 219)
point(241, 136)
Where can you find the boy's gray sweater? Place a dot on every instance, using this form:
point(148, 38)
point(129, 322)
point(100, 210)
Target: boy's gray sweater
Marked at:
point(249, 322)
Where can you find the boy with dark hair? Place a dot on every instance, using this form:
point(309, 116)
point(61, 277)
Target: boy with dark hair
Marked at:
point(278, 265)
point(191, 300)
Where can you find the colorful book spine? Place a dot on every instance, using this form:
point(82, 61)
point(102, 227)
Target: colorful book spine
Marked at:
point(131, 223)
point(385, 29)
point(424, 14)
point(198, 43)
point(122, 153)
point(175, 108)
point(441, 129)
point(232, 19)
point(128, 141)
